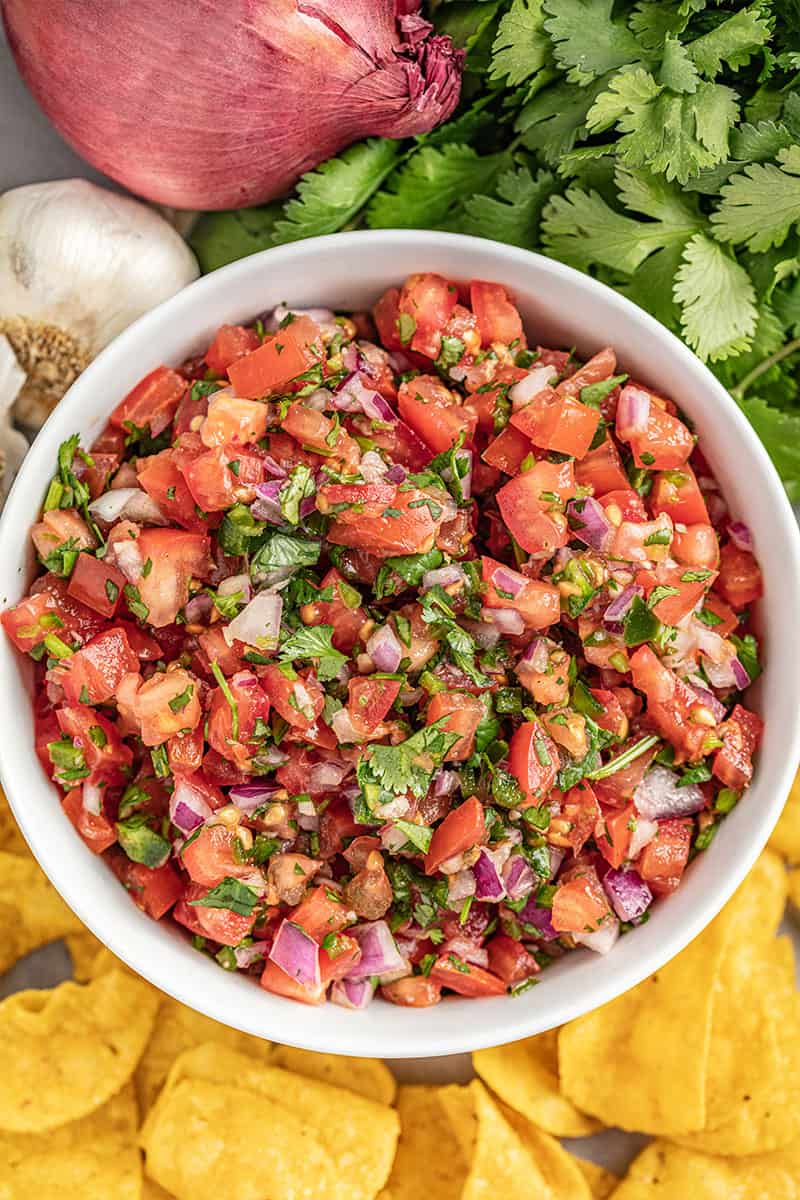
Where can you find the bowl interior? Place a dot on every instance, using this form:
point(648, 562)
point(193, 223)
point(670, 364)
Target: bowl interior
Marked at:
point(561, 308)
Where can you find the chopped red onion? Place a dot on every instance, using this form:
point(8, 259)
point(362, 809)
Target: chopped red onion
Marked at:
point(353, 993)
point(187, 806)
point(393, 839)
point(198, 609)
point(319, 400)
point(92, 798)
point(249, 796)
point(273, 467)
point(343, 727)
point(557, 856)
point(659, 796)
point(350, 357)
point(267, 506)
point(319, 315)
point(540, 919)
point(326, 776)
point(536, 654)
point(620, 605)
point(372, 467)
point(506, 580)
point(445, 782)
point(465, 949)
point(723, 675)
point(247, 955)
point(485, 635)
point(508, 620)
point(131, 503)
point(379, 954)
point(397, 973)
point(710, 700)
point(296, 953)
point(717, 508)
point(740, 535)
point(352, 396)
point(629, 894)
point(234, 584)
point(274, 756)
point(642, 836)
point(462, 882)
point(385, 649)
point(518, 877)
point(589, 523)
point(443, 576)
point(602, 940)
point(633, 412)
point(259, 622)
point(488, 880)
point(537, 379)
point(396, 474)
point(740, 674)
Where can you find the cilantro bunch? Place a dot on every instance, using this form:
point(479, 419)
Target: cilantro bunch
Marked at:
point(654, 144)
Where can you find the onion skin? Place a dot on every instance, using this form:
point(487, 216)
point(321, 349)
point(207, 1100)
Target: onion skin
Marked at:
point(201, 105)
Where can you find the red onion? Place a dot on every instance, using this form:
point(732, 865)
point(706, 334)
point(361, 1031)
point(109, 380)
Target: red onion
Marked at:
point(557, 856)
point(247, 955)
point(602, 940)
point(326, 776)
point(353, 396)
point(629, 895)
point(385, 649)
point(589, 523)
point(465, 949)
point(249, 796)
point(488, 880)
point(462, 882)
point(393, 839)
point(659, 796)
point(396, 474)
point(507, 620)
point(537, 379)
point(258, 624)
point(536, 654)
point(740, 535)
point(344, 729)
point(248, 98)
point(443, 577)
point(485, 635)
point(352, 993)
point(740, 674)
point(267, 506)
point(92, 798)
point(272, 467)
point(321, 316)
point(518, 877)
point(445, 782)
point(379, 954)
point(296, 953)
point(506, 580)
point(233, 584)
point(633, 411)
point(619, 606)
point(540, 919)
point(641, 836)
point(710, 700)
point(187, 806)
point(198, 609)
point(130, 503)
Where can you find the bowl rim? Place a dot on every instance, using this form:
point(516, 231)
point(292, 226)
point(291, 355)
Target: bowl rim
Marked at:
point(495, 1021)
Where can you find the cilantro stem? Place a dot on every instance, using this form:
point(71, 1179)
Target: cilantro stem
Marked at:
point(762, 367)
point(627, 757)
point(228, 694)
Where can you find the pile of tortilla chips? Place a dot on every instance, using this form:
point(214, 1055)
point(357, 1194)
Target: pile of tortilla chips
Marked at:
point(109, 1089)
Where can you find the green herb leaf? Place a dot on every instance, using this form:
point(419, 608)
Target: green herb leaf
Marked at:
point(237, 897)
point(314, 641)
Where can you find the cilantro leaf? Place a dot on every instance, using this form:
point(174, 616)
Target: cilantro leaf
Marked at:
point(314, 641)
point(219, 238)
point(553, 119)
point(297, 487)
point(409, 766)
point(232, 894)
point(780, 433)
point(514, 215)
point(587, 40)
point(521, 47)
point(431, 185)
point(761, 205)
point(718, 313)
point(733, 41)
point(281, 550)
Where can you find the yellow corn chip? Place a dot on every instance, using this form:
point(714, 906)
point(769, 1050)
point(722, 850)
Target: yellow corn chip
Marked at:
point(459, 1104)
point(601, 1182)
point(428, 1150)
point(559, 1168)
point(667, 1172)
point(65, 1052)
point(525, 1076)
point(314, 1140)
point(794, 888)
point(785, 838)
point(31, 911)
point(641, 1062)
point(11, 839)
point(153, 1191)
point(753, 1090)
point(501, 1166)
point(94, 1158)
point(367, 1076)
point(178, 1028)
point(83, 950)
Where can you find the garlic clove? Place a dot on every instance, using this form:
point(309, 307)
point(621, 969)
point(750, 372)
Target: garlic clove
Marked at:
point(13, 444)
point(78, 263)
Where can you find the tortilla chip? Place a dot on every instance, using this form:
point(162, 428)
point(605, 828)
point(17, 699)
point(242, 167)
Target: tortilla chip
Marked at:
point(367, 1076)
point(667, 1172)
point(785, 838)
point(83, 948)
point(459, 1104)
point(501, 1164)
point(153, 1191)
point(11, 839)
point(525, 1076)
point(66, 1051)
point(601, 1182)
point(564, 1177)
point(31, 911)
point(313, 1140)
point(794, 888)
point(753, 1090)
point(178, 1028)
point(641, 1062)
point(94, 1158)
point(429, 1157)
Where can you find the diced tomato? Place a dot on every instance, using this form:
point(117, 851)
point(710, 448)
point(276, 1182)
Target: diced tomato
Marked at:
point(162, 477)
point(175, 558)
point(617, 789)
point(498, 318)
point(462, 828)
point(221, 772)
point(523, 501)
point(336, 825)
point(298, 698)
point(288, 353)
point(49, 609)
point(697, 546)
point(663, 861)
point(252, 705)
point(314, 430)
point(369, 701)
point(273, 979)
point(398, 440)
point(558, 422)
point(215, 484)
point(93, 674)
point(613, 833)
point(155, 890)
point(581, 812)
point(643, 541)
point(434, 412)
point(665, 444)
point(483, 403)
point(230, 342)
point(215, 649)
point(678, 494)
point(96, 584)
point(109, 441)
point(231, 421)
point(167, 703)
point(670, 704)
point(342, 611)
point(612, 715)
point(741, 734)
point(416, 991)
point(97, 473)
point(728, 620)
point(538, 602)
point(599, 367)
point(580, 904)
point(465, 978)
point(103, 749)
point(219, 924)
point(185, 751)
point(338, 958)
point(322, 911)
point(508, 450)
point(152, 403)
point(385, 314)
point(509, 960)
point(625, 500)
point(209, 858)
point(143, 646)
point(740, 581)
point(58, 527)
point(405, 526)
point(46, 730)
point(533, 761)
point(94, 828)
point(601, 469)
point(189, 414)
point(464, 714)
point(427, 300)
point(685, 591)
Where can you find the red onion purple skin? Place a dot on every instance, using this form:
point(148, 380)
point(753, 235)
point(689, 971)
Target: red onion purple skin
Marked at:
point(297, 954)
point(629, 894)
point(227, 107)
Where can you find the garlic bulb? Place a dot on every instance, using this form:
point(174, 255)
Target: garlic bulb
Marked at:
point(13, 445)
point(77, 264)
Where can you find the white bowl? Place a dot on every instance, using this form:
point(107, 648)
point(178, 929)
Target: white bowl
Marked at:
point(561, 307)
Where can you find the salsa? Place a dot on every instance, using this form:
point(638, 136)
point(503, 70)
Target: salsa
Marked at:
point(389, 653)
